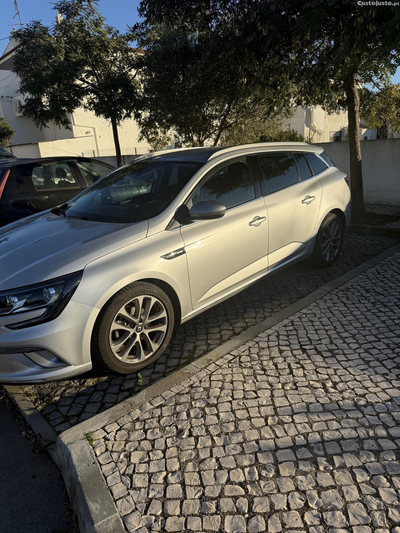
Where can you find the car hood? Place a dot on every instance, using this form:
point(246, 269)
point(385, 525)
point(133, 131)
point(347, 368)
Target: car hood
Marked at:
point(47, 246)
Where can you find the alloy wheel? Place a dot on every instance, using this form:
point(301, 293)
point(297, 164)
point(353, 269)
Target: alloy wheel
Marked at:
point(138, 329)
point(331, 240)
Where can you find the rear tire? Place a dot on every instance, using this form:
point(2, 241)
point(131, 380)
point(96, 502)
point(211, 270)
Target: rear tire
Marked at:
point(133, 328)
point(329, 241)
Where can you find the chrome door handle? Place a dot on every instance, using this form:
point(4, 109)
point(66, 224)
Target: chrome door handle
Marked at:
point(308, 199)
point(257, 221)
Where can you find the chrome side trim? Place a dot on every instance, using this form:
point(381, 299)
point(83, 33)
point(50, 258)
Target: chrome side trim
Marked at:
point(174, 254)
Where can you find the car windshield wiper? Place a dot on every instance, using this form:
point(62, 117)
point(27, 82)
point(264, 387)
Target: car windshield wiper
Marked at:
point(60, 209)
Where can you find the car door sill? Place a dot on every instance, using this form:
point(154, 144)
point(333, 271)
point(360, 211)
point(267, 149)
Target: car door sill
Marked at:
point(208, 305)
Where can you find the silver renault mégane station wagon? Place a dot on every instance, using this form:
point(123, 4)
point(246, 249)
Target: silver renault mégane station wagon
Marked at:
point(107, 276)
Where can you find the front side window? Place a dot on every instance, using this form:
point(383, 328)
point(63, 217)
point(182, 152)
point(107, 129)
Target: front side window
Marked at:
point(132, 193)
point(55, 176)
point(279, 171)
point(231, 184)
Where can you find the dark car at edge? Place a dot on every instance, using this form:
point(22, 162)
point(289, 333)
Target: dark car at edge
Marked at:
point(28, 186)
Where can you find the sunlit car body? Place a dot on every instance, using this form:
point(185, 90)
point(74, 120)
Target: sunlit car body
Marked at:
point(28, 186)
point(107, 276)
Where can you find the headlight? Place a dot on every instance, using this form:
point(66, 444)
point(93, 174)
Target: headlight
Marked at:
point(51, 296)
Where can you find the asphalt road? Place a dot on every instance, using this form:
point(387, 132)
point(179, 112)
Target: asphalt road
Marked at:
point(32, 493)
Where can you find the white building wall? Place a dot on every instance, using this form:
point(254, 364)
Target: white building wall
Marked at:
point(86, 125)
point(26, 131)
point(297, 122)
point(88, 136)
point(332, 125)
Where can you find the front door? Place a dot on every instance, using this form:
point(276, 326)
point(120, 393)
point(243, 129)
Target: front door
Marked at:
point(225, 254)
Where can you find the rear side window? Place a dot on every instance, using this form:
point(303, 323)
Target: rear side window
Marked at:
point(231, 185)
point(279, 171)
point(55, 176)
point(316, 163)
point(302, 165)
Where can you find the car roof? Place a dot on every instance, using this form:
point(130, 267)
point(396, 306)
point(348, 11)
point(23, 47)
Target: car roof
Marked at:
point(201, 154)
point(5, 155)
point(204, 154)
point(60, 159)
point(4, 151)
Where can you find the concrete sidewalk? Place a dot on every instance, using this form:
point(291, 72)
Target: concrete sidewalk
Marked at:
point(298, 429)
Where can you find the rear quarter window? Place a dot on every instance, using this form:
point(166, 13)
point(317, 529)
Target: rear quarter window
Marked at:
point(316, 163)
point(327, 159)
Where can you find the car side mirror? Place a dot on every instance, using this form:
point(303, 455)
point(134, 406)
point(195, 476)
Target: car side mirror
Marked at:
point(207, 210)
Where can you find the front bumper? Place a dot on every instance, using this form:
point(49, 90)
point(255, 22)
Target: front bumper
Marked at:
point(58, 349)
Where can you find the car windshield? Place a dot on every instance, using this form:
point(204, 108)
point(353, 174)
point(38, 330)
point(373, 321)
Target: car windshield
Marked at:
point(134, 192)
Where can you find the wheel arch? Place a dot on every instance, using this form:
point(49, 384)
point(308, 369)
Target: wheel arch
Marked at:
point(163, 285)
point(341, 216)
point(317, 256)
point(170, 292)
point(100, 357)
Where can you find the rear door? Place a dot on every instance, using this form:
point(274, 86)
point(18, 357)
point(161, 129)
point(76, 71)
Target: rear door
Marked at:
point(292, 198)
point(53, 184)
point(226, 253)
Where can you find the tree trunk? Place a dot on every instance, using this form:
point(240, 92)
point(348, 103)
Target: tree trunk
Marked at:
point(222, 125)
point(383, 131)
point(217, 138)
point(116, 142)
point(356, 180)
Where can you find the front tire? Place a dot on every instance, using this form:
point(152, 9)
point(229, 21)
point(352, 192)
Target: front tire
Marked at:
point(329, 241)
point(133, 328)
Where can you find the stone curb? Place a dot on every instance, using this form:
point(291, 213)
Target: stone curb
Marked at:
point(90, 497)
point(44, 432)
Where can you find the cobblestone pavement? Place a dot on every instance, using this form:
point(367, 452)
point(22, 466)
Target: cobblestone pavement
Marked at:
point(67, 403)
point(297, 430)
point(382, 215)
